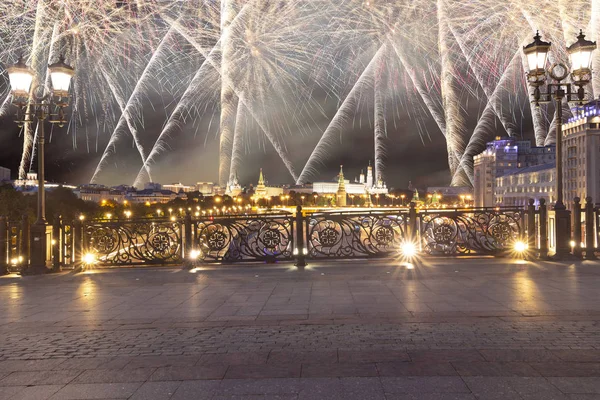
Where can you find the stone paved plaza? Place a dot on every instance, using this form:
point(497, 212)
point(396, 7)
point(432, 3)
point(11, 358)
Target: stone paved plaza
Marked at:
point(446, 329)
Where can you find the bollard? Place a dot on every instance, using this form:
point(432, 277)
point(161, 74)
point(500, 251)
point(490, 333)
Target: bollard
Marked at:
point(590, 219)
point(56, 240)
point(543, 209)
point(24, 246)
point(412, 221)
point(300, 250)
point(577, 238)
point(3, 246)
point(531, 231)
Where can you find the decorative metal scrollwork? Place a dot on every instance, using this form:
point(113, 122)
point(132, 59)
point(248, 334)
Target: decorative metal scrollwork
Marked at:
point(135, 242)
point(266, 237)
point(352, 234)
point(471, 231)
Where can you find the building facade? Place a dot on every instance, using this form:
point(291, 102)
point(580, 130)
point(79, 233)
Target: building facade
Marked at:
point(515, 188)
point(99, 193)
point(581, 154)
point(179, 187)
point(502, 157)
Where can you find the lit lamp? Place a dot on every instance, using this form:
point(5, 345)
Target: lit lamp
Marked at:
point(581, 61)
point(20, 77)
point(32, 106)
point(537, 53)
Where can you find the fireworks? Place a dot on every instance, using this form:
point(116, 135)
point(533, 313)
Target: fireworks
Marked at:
point(260, 71)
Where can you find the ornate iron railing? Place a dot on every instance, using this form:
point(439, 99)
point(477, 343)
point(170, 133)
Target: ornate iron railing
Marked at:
point(355, 234)
point(134, 242)
point(264, 237)
point(481, 231)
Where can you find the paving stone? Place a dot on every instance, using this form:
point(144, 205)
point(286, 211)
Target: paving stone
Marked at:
point(26, 378)
point(445, 355)
point(96, 391)
point(424, 384)
point(494, 369)
point(156, 391)
point(247, 358)
point(162, 361)
point(519, 355)
point(338, 370)
point(308, 357)
point(369, 356)
point(567, 369)
point(263, 371)
point(9, 392)
point(416, 369)
point(341, 389)
point(85, 363)
point(572, 385)
point(576, 355)
point(39, 392)
point(114, 375)
point(29, 365)
point(197, 390)
point(189, 373)
point(259, 386)
point(432, 396)
point(491, 388)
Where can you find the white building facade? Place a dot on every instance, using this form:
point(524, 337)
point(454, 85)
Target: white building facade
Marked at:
point(502, 157)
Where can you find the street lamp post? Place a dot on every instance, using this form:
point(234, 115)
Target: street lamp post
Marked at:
point(35, 106)
point(581, 72)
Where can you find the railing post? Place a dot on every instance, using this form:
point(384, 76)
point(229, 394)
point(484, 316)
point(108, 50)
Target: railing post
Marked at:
point(187, 231)
point(3, 246)
point(531, 231)
point(24, 239)
point(590, 219)
point(412, 221)
point(577, 237)
point(543, 209)
point(299, 250)
point(78, 243)
point(56, 244)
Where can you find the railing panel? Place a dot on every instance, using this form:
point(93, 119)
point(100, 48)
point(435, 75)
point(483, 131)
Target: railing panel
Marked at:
point(267, 237)
point(134, 242)
point(485, 231)
point(355, 234)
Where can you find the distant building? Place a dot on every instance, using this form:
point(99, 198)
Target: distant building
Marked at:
point(99, 193)
point(581, 154)
point(150, 196)
point(4, 174)
point(341, 195)
point(206, 188)
point(515, 188)
point(503, 156)
point(179, 187)
point(361, 186)
point(263, 191)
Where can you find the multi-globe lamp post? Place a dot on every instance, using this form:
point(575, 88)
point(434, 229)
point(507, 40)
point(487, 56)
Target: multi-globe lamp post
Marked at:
point(580, 53)
point(38, 103)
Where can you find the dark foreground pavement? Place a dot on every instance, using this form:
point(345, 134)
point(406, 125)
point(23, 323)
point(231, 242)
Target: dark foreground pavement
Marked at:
point(450, 329)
